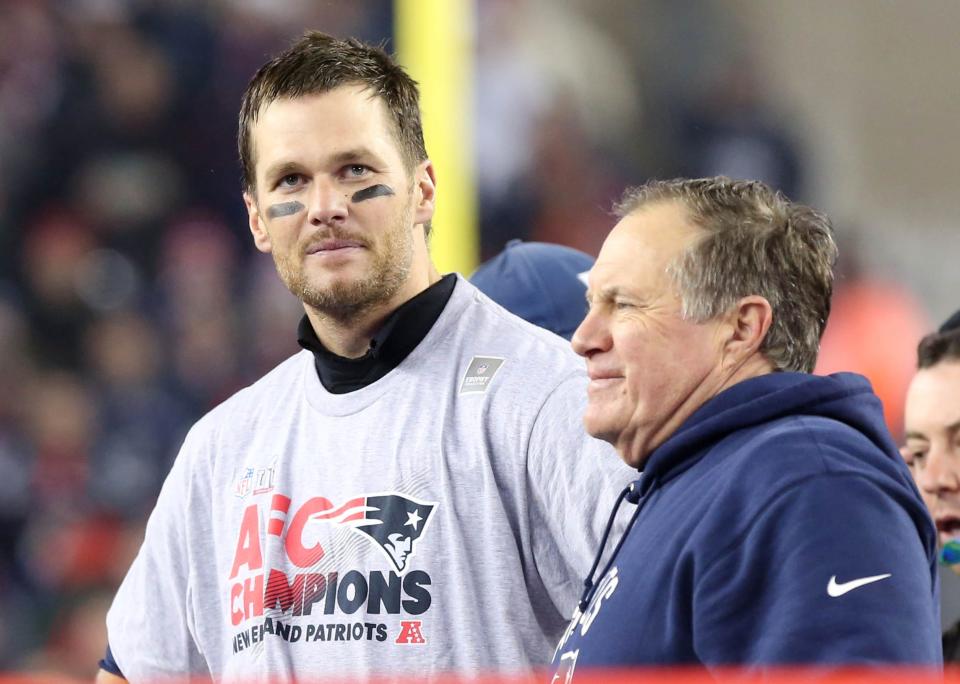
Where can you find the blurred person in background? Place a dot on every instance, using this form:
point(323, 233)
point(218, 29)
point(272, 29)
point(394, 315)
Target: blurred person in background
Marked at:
point(197, 287)
point(541, 283)
point(141, 421)
point(76, 635)
point(56, 245)
point(731, 130)
point(770, 498)
point(867, 305)
point(349, 527)
point(932, 445)
point(18, 599)
point(540, 105)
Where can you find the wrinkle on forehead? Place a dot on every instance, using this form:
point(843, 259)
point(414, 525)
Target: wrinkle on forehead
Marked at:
point(662, 229)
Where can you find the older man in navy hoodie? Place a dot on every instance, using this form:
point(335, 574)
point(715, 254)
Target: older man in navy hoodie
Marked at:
point(775, 521)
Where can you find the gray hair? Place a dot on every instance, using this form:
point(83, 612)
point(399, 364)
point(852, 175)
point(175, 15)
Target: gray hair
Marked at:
point(755, 242)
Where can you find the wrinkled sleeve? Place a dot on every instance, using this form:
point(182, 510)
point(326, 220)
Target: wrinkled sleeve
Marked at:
point(150, 625)
point(832, 571)
point(573, 482)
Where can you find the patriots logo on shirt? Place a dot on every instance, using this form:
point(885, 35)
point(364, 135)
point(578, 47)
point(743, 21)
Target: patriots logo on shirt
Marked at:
point(394, 521)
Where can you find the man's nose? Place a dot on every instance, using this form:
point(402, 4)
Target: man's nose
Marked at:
point(328, 204)
point(940, 471)
point(592, 335)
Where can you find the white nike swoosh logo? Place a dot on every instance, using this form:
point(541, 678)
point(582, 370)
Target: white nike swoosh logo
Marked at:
point(836, 589)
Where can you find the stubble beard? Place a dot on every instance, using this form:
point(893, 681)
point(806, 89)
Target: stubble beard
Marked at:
point(345, 299)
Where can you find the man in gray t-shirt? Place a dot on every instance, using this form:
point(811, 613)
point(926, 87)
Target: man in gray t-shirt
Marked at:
point(413, 492)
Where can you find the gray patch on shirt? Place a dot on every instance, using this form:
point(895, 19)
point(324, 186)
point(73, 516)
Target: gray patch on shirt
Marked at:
point(479, 374)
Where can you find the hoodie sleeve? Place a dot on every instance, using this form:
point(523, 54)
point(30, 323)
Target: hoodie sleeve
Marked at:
point(831, 571)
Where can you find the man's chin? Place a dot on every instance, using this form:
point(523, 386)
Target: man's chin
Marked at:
point(598, 425)
point(343, 297)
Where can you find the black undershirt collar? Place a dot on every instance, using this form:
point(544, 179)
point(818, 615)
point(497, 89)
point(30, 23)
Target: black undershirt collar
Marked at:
point(399, 335)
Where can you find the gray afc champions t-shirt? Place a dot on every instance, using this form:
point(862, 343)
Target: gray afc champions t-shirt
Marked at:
point(439, 520)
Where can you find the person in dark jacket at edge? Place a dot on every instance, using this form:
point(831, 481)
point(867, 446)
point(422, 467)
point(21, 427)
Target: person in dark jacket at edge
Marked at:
point(775, 521)
point(932, 445)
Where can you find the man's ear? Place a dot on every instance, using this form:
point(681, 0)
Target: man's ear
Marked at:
point(749, 321)
point(425, 185)
point(260, 236)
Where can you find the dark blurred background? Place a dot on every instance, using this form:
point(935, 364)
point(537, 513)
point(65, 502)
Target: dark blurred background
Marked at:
point(131, 300)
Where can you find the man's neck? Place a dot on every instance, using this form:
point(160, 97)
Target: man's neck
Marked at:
point(347, 338)
point(350, 337)
point(635, 446)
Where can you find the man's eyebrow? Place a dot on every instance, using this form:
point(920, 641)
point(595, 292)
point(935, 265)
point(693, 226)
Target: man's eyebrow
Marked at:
point(280, 169)
point(607, 293)
point(949, 429)
point(355, 154)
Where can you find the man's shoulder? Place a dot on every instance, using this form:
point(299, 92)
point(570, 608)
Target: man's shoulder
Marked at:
point(280, 382)
point(235, 420)
point(757, 464)
point(808, 444)
point(535, 364)
point(483, 322)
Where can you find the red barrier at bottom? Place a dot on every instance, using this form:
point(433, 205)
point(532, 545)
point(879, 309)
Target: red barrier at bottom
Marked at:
point(863, 675)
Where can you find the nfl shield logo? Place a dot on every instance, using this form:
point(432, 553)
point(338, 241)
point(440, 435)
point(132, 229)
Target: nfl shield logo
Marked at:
point(244, 484)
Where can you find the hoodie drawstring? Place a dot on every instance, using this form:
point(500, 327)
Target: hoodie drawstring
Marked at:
point(632, 494)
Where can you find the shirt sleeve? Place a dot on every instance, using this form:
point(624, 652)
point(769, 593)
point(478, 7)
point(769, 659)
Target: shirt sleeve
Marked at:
point(832, 571)
point(573, 480)
point(150, 625)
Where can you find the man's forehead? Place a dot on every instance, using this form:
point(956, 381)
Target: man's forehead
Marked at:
point(943, 376)
point(933, 398)
point(640, 247)
point(606, 278)
point(355, 92)
point(342, 125)
point(340, 113)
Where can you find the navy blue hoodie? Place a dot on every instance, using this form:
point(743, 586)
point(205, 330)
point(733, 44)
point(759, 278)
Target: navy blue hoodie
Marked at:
point(778, 525)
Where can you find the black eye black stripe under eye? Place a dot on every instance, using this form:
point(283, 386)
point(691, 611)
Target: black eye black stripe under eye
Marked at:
point(378, 190)
point(284, 209)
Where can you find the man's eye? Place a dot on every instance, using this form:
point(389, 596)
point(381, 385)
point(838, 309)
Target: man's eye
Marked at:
point(911, 456)
point(289, 181)
point(357, 170)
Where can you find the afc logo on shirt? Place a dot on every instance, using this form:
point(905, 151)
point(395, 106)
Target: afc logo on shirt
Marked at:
point(323, 587)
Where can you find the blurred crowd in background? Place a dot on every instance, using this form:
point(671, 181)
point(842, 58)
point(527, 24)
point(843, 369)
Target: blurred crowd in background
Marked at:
point(131, 300)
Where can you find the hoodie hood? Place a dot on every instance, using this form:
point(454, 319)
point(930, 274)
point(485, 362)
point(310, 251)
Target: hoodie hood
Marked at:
point(845, 397)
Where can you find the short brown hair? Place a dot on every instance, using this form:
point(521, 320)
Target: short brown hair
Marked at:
point(937, 347)
point(755, 242)
point(318, 63)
